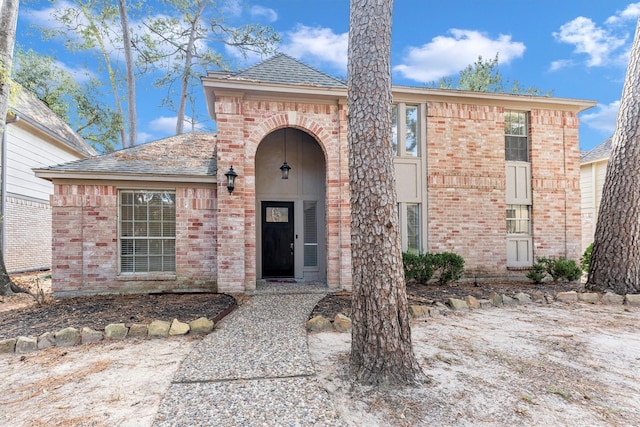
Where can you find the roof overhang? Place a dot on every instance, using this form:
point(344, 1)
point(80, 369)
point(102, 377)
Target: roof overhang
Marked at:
point(255, 89)
point(50, 175)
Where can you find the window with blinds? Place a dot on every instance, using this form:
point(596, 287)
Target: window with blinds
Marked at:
point(310, 233)
point(147, 231)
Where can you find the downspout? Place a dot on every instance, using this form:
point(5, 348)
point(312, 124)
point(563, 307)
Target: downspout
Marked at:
point(564, 171)
point(3, 185)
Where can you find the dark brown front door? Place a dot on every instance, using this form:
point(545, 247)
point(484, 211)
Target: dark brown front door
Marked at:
point(277, 239)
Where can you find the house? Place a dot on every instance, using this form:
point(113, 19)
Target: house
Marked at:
point(492, 177)
point(593, 168)
point(35, 136)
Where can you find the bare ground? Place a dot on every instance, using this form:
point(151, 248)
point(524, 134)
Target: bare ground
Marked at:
point(558, 364)
point(535, 365)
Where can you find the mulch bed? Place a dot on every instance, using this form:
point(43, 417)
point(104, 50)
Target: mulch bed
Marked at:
point(418, 294)
point(96, 312)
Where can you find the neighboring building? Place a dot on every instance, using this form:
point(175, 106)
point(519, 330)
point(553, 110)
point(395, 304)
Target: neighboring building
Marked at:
point(593, 168)
point(492, 177)
point(35, 136)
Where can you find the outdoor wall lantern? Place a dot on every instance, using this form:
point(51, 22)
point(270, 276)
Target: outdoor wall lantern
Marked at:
point(231, 179)
point(285, 168)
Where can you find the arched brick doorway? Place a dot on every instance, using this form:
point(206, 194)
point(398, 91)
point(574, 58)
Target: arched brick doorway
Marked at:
point(290, 213)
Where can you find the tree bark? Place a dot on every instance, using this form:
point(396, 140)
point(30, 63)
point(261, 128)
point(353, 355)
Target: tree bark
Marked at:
point(381, 349)
point(8, 22)
point(615, 259)
point(188, 65)
point(131, 78)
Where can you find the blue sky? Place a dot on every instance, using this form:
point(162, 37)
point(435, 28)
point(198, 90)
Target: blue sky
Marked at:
point(575, 48)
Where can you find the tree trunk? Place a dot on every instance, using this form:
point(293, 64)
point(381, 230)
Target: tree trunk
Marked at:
point(615, 260)
point(188, 64)
point(8, 22)
point(131, 79)
point(381, 349)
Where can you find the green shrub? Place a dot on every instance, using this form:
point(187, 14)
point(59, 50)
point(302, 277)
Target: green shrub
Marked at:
point(416, 267)
point(449, 267)
point(585, 260)
point(561, 268)
point(537, 273)
point(446, 266)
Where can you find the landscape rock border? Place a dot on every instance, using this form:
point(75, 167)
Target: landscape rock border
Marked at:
point(69, 337)
point(342, 323)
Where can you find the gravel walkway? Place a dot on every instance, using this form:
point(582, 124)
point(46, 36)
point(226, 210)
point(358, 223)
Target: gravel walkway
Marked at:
point(254, 370)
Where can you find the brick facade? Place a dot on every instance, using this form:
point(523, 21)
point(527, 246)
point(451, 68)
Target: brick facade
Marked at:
point(466, 185)
point(28, 235)
point(85, 242)
point(242, 125)
point(464, 174)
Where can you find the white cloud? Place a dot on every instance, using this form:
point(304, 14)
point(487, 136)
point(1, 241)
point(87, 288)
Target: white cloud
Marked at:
point(143, 137)
point(604, 119)
point(631, 12)
point(167, 125)
point(560, 63)
point(447, 55)
point(79, 74)
point(260, 11)
point(317, 45)
point(597, 43)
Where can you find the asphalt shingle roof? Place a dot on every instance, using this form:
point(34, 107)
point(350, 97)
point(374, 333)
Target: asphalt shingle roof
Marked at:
point(284, 69)
point(29, 107)
point(189, 154)
point(600, 152)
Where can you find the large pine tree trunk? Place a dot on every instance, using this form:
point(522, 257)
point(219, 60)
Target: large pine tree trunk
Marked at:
point(615, 260)
point(381, 350)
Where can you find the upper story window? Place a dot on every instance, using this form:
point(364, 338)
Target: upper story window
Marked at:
point(516, 136)
point(405, 130)
point(147, 231)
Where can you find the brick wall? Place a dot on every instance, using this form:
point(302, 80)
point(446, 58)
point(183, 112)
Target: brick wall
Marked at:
point(242, 125)
point(85, 257)
point(28, 235)
point(466, 185)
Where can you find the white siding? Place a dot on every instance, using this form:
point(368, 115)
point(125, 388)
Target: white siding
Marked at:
point(26, 151)
point(586, 187)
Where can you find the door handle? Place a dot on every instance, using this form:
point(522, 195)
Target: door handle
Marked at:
point(291, 246)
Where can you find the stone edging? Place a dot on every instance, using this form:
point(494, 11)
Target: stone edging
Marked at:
point(342, 323)
point(69, 337)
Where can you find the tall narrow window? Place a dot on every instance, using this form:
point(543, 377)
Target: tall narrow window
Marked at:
point(410, 227)
point(147, 231)
point(310, 234)
point(405, 133)
point(518, 195)
point(411, 131)
point(518, 219)
point(516, 144)
point(413, 227)
point(394, 129)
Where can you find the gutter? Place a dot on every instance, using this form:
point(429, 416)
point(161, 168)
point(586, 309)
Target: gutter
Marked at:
point(3, 185)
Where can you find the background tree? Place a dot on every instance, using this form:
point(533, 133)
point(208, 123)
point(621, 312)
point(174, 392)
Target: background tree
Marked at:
point(78, 104)
point(95, 26)
point(8, 21)
point(615, 258)
point(484, 76)
point(181, 47)
point(381, 349)
point(131, 78)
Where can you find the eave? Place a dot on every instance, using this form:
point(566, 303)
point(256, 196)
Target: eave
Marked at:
point(50, 175)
